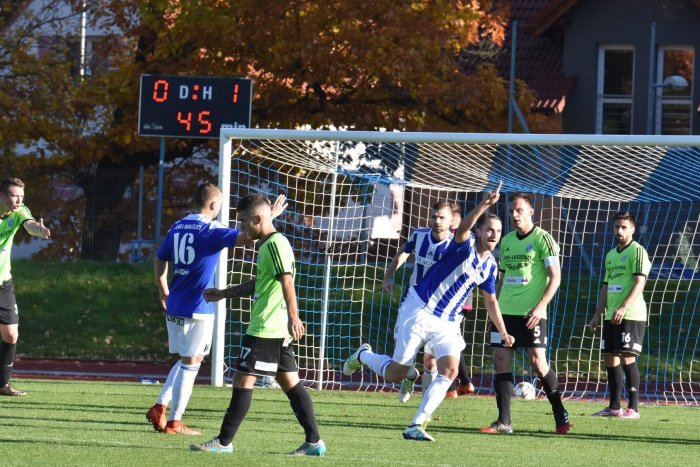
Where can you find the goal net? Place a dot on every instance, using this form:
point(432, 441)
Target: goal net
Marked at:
point(354, 197)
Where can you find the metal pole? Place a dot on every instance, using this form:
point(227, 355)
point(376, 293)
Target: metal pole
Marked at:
point(139, 234)
point(327, 276)
point(83, 39)
point(159, 202)
point(651, 104)
point(511, 84)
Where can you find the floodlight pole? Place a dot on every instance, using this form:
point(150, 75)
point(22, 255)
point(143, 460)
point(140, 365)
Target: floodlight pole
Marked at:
point(159, 202)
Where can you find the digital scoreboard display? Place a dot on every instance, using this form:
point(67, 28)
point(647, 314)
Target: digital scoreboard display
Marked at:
point(193, 106)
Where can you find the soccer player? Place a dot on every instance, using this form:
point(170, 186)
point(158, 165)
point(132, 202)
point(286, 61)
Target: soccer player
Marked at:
point(431, 312)
point(621, 299)
point(192, 245)
point(462, 384)
point(426, 245)
point(266, 348)
point(529, 263)
point(13, 215)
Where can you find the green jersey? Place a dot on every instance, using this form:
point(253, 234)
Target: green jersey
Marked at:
point(269, 318)
point(523, 262)
point(8, 228)
point(620, 269)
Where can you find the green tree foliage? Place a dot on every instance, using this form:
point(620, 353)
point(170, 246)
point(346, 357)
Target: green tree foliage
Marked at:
point(363, 65)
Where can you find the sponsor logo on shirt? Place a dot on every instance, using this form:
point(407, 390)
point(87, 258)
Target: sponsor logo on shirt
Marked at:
point(614, 288)
point(181, 272)
point(516, 280)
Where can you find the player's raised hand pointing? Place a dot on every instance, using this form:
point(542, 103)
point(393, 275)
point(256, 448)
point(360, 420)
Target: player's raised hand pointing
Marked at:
point(491, 197)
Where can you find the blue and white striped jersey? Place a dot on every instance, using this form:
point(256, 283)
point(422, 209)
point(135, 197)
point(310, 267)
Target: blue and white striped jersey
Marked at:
point(445, 287)
point(193, 245)
point(426, 251)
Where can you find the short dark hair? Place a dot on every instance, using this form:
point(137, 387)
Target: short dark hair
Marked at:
point(521, 195)
point(205, 193)
point(8, 182)
point(442, 205)
point(486, 217)
point(456, 208)
point(625, 216)
point(252, 200)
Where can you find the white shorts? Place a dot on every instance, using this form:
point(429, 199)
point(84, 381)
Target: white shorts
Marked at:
point(189, 337)
point(416, 327)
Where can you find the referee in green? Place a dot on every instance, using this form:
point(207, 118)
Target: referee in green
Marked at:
point(266, 349)
point(530, 277)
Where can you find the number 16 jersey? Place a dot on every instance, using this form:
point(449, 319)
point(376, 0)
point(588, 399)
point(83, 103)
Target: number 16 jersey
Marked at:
point(193, 245)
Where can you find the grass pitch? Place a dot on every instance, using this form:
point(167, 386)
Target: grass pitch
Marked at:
point(95, 423)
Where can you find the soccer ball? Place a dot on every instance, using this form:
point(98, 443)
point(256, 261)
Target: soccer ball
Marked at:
point(524, 390)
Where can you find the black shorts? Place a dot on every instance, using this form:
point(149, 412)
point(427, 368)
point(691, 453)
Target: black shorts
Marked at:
point(626, 337)
point(8, 305)
point(266, 357)
point(525, 338)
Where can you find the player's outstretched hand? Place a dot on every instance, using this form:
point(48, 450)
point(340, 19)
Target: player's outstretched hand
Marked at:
point(296, 329)
point(279, 206)
point(45, 232)
point(213, 295)
point(491, 197)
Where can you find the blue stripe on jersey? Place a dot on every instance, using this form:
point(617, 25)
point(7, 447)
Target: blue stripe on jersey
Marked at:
point(447, 284)
point(426, 250)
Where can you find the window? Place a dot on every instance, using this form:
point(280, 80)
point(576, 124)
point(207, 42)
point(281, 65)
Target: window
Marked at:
point(615, 90)
point(674, 107)
point(68, 49)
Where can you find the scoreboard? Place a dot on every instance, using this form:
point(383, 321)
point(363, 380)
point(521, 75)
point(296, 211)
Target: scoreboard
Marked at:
point(193, 106)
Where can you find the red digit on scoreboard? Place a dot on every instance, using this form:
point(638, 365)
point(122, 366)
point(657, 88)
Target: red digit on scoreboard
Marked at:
point(206, 124)
point(160, 90)
point(235, 93)
point(185, 121)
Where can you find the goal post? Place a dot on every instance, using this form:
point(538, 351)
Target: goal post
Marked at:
point(355, 196)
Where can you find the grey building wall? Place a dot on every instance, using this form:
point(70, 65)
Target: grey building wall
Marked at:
point(591, 23)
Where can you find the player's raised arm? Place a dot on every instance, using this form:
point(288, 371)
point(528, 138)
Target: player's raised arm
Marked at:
point(490, 198)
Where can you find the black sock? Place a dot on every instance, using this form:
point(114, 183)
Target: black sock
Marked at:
point(463, 372)
point(503, 385)
point(615, 385)
point(632, 376)
point(453, 386)
point(550, 384)
point(236, 412)
point(303, 408)
point(7, 358)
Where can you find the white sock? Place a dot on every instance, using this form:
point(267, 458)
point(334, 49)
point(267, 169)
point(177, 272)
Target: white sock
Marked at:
point(412, 373)
point(376, 362)
point(166, 394)
point(431, 399)
point(428, 377)
point(182, 390)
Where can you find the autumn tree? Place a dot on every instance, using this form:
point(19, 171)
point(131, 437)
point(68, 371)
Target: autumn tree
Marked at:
point(363, 65)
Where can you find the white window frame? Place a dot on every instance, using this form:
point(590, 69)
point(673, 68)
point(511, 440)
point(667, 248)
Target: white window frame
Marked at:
point(600, 97)
point(660, 99)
